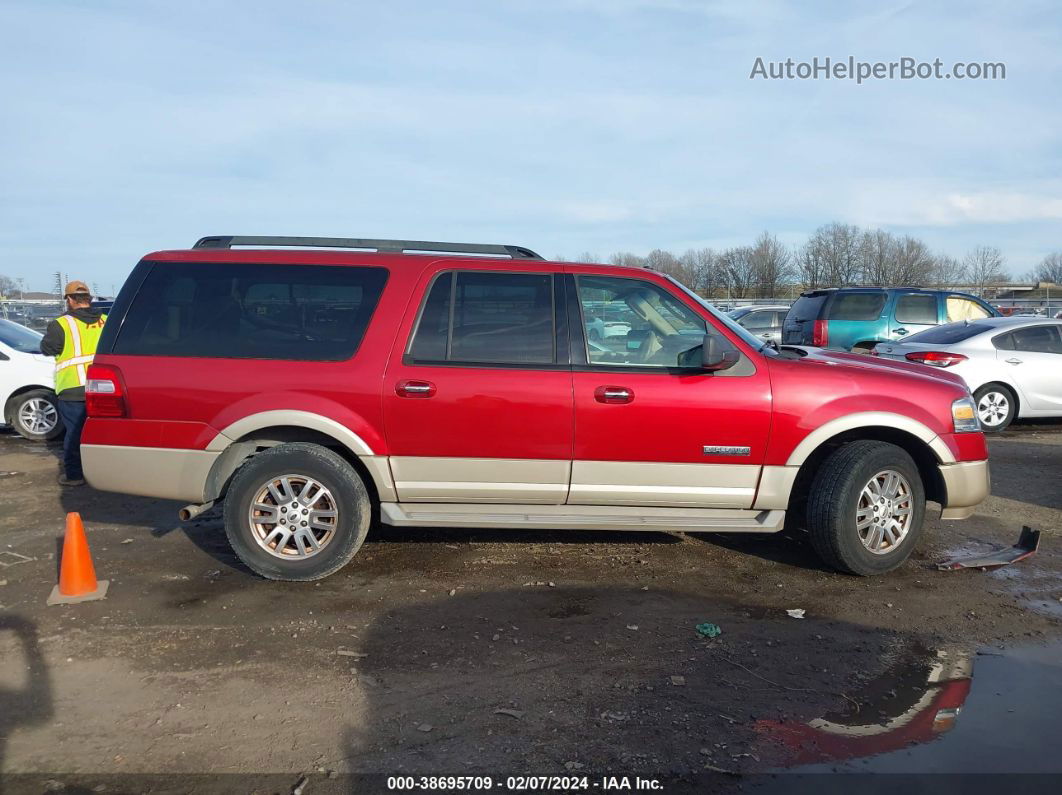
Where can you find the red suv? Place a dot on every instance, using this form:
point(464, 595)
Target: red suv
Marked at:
point(458, 385)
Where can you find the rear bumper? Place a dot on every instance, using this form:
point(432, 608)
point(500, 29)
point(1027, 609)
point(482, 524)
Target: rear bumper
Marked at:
point(164, 473)
point(967, 484)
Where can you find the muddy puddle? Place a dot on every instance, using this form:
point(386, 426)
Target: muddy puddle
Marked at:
point(937, 711)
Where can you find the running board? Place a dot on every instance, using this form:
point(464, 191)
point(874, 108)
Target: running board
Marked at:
point(580, 517)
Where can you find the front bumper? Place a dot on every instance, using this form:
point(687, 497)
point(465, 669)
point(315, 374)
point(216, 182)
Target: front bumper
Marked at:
point(967, 484)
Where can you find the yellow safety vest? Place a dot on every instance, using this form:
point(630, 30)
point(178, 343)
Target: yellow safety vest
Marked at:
point(79, 346)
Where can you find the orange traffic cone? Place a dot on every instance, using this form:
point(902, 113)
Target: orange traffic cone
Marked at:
point(77, 577)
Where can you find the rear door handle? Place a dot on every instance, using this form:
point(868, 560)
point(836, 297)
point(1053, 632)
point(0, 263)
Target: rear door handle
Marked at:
point(901, 331)
point(415, 389)
point(1014, 361)
point(613, 394)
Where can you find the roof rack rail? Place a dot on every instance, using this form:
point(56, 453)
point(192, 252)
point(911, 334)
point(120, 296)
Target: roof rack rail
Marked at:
point(384, 246)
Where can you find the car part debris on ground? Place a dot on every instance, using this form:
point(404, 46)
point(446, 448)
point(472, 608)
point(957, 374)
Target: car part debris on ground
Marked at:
point(1028, 543)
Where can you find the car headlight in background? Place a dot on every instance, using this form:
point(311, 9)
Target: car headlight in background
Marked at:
point(964, 415)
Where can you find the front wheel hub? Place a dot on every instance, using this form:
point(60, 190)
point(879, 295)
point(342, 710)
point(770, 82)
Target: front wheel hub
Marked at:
point(883, 513)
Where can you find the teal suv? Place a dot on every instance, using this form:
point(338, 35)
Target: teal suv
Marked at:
point(858, 318)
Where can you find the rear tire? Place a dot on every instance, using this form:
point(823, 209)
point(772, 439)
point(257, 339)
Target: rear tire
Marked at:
point(996, 407)
point(851, 529)
point(35, 415)
point(297, 512)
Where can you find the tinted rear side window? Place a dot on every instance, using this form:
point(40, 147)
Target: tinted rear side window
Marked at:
point(248, 311)
point(916, 308)
point(487, 316)
point(856, 306)
point(945, 335)
point(1037, 339)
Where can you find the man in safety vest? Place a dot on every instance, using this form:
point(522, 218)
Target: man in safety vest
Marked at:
point(72, 339)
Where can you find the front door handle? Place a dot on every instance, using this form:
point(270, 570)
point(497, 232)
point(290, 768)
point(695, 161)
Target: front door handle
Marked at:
point(1013, 361)
point(613, 394)
point(901, 331)
point(415, 389)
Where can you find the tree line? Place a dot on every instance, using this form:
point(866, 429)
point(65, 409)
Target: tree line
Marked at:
point(835, 255)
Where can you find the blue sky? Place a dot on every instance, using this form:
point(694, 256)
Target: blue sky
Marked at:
point(566, 126)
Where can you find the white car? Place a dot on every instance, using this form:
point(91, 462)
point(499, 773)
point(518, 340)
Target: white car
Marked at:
point(1013, 365)
point(598, 329)
point(27, 384)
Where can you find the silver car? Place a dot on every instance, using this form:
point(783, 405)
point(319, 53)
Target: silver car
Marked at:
point(1013, 365)
point(763, 321)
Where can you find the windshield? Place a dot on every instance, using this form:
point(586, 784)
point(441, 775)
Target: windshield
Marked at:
point(747, 337)
point(20, 338)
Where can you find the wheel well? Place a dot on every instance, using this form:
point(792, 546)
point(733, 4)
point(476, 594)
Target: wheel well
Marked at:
point(254, 442)
point(864, 346)
point(923, 456)
point(1009, 388)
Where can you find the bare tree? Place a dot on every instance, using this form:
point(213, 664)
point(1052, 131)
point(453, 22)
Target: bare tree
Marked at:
point(835, 250)
point(912, 262)
point(707, 266)
point(737, 264)
point(627, 259)
point(877, 249)
point(948, 271)
point(984, 268)
point(810, 267)
point(1050, 269)
point(770, 264)
point(8, 286)
point(586, 256)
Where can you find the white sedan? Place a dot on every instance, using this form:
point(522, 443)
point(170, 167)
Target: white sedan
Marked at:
point(27, 384)
point(1013, 365)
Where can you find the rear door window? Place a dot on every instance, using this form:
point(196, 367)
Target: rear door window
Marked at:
point(856, 306)
point(487, 316)
point(250, 311)
point(1037, 339)
point(917, 308)
point(961, 308)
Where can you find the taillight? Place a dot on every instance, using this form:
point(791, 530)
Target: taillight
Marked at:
point(935, 358)
point(821, 336)
point(104, 392)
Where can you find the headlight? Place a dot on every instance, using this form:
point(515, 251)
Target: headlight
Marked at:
point(964, 415)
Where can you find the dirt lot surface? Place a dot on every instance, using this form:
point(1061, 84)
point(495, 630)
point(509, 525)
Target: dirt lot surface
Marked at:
point(464, 652)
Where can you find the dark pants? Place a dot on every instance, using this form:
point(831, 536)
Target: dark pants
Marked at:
point(73, 414)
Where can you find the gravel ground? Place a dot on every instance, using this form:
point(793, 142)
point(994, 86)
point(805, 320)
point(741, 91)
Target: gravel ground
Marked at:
point(465, 652)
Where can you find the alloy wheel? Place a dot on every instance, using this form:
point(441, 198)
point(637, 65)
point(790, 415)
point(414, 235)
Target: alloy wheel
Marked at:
point(38, 416)
point(293, 516)
point(883, 514)
point(993, 408)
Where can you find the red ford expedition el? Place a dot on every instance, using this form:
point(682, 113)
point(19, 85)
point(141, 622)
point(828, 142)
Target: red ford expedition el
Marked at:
point(314, 390)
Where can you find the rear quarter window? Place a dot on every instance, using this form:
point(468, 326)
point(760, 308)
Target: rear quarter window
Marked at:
point(249, 311)
point(856, 306)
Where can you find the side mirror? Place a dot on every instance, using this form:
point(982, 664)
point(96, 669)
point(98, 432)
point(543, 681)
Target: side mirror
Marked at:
point(716, 354)
point(713, 354)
